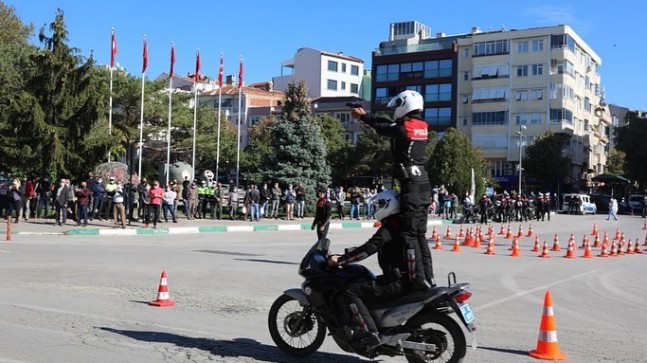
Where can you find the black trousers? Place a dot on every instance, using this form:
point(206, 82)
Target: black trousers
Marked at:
point(415, 198)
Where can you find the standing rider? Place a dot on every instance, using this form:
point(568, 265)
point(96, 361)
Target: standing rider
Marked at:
point(408, 134)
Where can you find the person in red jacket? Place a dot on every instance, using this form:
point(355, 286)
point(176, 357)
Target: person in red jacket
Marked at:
point(155, 195)
point(82, 195)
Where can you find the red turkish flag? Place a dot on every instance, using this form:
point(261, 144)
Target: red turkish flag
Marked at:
point(221, 70)
point(113, 50)
point(172, 59)
point(198, 66)
point(145, 64)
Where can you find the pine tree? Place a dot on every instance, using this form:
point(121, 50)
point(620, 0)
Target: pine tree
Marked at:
point(299, 150)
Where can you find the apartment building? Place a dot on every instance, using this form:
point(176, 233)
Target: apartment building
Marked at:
point(411, 59)
point(514, 85)
point(326, 74)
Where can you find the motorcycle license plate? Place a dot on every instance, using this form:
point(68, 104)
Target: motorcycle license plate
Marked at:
point(467, 313)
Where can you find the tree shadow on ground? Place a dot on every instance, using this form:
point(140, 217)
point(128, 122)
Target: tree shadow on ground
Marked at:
point(240, 347)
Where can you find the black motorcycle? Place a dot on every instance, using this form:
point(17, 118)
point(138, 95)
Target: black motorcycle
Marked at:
point(417, 326)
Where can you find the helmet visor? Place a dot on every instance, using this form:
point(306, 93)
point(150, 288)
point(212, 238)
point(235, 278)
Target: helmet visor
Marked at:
point(395, 102)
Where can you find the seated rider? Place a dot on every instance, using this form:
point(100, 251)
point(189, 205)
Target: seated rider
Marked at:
point(398, 265)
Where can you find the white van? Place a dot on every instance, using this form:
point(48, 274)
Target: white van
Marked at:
point(586, 206)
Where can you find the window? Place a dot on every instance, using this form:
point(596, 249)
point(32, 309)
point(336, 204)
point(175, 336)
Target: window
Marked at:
point(466, 76)
point(493, 47)
point(343, 67)
point(438, 116)
point(524, 118)
point(531, 94)
point(538, 45)
point(343, 85)
point(561, 115)
point(438, 92)
point(332, 85)
point(562, 41)
point(354, 88)
point(393, 73)
point(438, 68)
point(354, 70)
point(332, 66)
point(522, 47)
point(489, 118)
point(466, 53)
point(587, 104)
point(488, 94)
point(411, 70)
point(465, 98)
point(522, 71)
point(537, 69)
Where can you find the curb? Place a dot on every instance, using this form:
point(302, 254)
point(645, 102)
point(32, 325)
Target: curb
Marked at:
point(205, 229)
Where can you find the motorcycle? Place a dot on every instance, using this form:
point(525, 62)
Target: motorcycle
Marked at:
point(417, 326)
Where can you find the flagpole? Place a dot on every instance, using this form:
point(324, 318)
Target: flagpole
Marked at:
point(240, 92)
point(110, 117)
point(141, 117)
point(168, 131)
point(220, 73)
point(195, 107)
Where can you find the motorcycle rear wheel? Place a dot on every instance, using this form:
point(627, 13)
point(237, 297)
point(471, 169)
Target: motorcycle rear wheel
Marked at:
point(294, 329)
point(444, 332)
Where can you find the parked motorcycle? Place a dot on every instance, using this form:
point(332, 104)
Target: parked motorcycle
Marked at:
point(418, 326)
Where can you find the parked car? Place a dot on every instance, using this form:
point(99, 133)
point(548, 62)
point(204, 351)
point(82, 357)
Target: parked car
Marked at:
point(586, 206)
point(636, 203)
point(602, 204)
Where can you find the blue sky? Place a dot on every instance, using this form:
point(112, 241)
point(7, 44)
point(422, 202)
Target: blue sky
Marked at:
point(269, 32)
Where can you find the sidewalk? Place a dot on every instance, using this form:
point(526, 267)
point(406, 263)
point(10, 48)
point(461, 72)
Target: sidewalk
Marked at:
point(184, 226)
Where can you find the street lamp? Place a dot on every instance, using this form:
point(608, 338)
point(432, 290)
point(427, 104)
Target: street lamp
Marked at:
point(521, 135)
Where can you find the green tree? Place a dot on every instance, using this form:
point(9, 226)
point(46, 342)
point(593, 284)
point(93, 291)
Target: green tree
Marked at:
point(616, 163)
point(299, 151)
point(453, 159)
point(545, 159)
point(632, 140)
point(259, 148)
point(372, 155)
point(338, 149)
point(12, 29)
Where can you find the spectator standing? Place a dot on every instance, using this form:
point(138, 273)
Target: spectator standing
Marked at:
point(301, 200)
point(170, 195)
point(4, 197)
point(255, 196)
point(453, 209)
point(367, 199)
point(15, 199)
point(233, 202)
point(340, 197)
point(290, 196)
point(155, 194)
point(218, 200)
point(44, 195)
point(265, 197)
point(142, 190)
point(644, 201)
point(82, 194)
point(98, 196)
point(118, 205)
point(110, 194)
point(355, 200)
point(62, 198)
point(193, 200)
point(276, 200)
point(26, 194)
point(323, 215)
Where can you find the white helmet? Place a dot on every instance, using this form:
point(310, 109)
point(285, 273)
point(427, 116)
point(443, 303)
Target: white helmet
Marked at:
point(388, 204)
point(406, 102)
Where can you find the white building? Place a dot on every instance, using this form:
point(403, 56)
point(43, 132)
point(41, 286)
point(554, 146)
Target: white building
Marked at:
point(326, 74)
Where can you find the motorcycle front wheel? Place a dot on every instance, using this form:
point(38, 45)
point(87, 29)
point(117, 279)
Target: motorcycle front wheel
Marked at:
point(294, 328)
point(440, 330)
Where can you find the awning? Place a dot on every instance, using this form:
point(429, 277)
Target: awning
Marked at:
point(610, 179)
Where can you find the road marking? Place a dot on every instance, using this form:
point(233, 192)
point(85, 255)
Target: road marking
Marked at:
point(526, 292)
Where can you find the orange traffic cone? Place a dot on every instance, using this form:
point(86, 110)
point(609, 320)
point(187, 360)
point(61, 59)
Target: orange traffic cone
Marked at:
point(556, 244)
point(448, 235)
point(490, 248)
point(8, 229)
point(477, 242)
point(604, 252)
point(457, 246)
point(621, 245)
point(434, 234)
point(470, 240)
point(585, 241)
point(544, 251)
point(570, 251)
point(614, 249)
point(596, 242)
point(163, 299)
point(587, 250)
point(595, 230)
point(508, 234)
point(516, 252)
point(547, 345)
point(520, 233)
point(502, 231)
point(630, 248)
point(605, 240)
point(461, 232)
point(645, 245)
point(638, 249)
point(645, 226)
point(617, 236)
point(531, 233)
point(439, 245)
point(535, 248)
